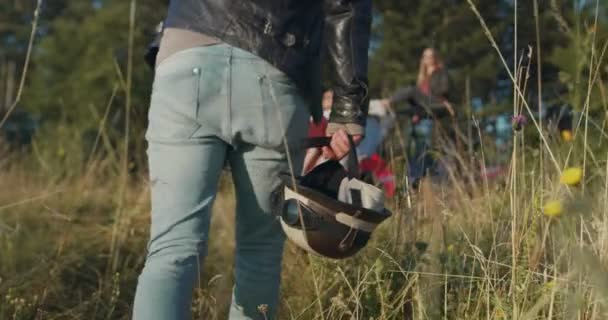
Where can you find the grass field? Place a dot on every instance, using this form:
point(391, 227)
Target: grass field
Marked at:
point(72, 241)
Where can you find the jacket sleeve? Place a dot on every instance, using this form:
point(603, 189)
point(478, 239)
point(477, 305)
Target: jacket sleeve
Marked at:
point(347, 32)
point(440, 84)
point(402, 94)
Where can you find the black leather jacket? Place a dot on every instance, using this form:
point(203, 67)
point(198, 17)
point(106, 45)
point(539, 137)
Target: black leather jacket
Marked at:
point(290, 34)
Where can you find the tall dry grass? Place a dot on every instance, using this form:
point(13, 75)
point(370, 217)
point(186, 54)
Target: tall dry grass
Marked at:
point(448, 256)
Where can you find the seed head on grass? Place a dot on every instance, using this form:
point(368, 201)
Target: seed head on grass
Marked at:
point(499, 314)
point(518, 122)
point(549, 286)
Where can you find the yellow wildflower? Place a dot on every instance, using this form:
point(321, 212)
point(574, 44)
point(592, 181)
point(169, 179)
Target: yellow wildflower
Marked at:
point(571, 176)
point(553, 208)
point(566, 135)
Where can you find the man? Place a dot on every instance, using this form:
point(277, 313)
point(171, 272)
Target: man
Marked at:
point(236, 82)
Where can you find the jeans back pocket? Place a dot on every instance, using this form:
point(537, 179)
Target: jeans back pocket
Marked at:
point(174, 103)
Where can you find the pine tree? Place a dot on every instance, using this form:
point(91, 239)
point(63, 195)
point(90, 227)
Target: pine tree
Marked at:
point(79, 59)
point(407, 27)
point(84, 55)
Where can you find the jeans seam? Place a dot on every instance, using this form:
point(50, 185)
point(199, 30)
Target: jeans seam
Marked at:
point(198, 93)
point(265, 88)
point(228, 111)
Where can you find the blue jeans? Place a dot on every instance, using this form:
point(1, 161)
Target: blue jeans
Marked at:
point(420, 161)
point(213, 106)
point(375, 131)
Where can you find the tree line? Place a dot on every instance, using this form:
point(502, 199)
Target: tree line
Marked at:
point(81, 51)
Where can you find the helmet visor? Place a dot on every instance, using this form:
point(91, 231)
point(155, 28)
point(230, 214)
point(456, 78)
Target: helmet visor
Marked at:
point(298, 215)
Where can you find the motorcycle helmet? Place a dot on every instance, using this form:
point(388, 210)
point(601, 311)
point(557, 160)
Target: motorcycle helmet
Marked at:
point(329, 211)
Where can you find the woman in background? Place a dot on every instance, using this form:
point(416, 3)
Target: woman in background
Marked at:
point(427, 100)
point(430, 94)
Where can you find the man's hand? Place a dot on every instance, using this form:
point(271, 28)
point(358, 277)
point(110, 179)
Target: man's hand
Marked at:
point(339, 145)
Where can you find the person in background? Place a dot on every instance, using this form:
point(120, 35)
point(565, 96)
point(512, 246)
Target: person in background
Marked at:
point(430, 95)
point(380, 119)
point(423, 102)
point(314, 156)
